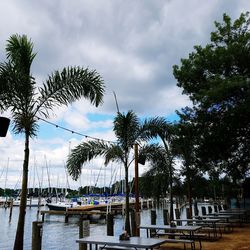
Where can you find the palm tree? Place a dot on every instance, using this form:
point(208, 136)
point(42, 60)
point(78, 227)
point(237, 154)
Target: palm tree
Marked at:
point(26, 101)
point(128, 130)
point(159, 127)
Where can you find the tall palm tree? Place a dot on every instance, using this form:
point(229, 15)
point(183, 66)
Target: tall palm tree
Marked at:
point(160, 127)
point(26, 101)
point(128, 130)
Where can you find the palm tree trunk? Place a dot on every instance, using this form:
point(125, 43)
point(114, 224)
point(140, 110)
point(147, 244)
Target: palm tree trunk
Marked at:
point(171, 214)
point(18, 245)
point(127, 224)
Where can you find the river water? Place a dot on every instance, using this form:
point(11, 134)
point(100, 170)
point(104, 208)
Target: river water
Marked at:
point(58, 235)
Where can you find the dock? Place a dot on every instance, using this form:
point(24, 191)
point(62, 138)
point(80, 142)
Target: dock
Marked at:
point(91, 211)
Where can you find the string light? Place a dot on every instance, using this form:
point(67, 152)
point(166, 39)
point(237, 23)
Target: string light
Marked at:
point(75, 132)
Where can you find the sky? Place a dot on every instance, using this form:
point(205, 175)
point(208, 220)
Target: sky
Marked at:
point(132, 44)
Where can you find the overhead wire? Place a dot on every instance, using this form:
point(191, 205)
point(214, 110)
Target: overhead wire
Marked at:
point(75, 132)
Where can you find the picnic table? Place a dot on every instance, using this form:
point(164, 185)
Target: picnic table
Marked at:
point(211, 223)
point(104, 242)
point(184, 231)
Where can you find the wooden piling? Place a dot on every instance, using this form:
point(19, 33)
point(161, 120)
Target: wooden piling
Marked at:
point(153, 222)
point(66, 220)
point(37, 227)
point(11, 208)
point(83, 232)
point(209, 209)
point(203, 210)
point(133, 222)
point(165, 217)
point(188, 214)
point(110, 224)
point(177, 216)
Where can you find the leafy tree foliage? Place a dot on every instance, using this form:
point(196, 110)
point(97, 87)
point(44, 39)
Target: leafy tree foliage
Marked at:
point(217, 79)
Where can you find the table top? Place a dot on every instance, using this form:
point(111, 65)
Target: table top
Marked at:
point(136, 242)
point(205, 220)
point(230, 213)
point(218, 216)
point(168, 227)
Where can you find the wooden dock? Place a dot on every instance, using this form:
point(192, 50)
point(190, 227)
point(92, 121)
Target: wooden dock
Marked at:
point(88, 211)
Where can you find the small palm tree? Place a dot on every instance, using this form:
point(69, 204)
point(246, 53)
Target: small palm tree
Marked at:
point(128, 130)
point(20, 95)
point(159, 127)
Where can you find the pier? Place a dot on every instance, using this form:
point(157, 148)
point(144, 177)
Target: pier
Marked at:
point(88, 211)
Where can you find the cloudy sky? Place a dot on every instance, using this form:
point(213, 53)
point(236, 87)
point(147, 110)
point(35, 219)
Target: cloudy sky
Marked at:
point(133, 44)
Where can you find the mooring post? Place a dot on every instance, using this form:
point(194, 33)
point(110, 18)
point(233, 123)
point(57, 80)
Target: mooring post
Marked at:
point(11, 207)
point(165, 217)
point(133, 223)
point(37, 230)
point(66, 216)
point(110, 224)
point(83, 232)
point(153, 222)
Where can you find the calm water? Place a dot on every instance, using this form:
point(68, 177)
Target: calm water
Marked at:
point(58, 235)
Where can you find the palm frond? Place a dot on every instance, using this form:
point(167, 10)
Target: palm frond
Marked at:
point(114, 153)
point(20, 52)
point(83, 153)
point(127, 129)
point(69, 85)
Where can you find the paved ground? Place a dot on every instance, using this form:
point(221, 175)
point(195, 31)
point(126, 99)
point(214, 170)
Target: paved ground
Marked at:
point(239, 239)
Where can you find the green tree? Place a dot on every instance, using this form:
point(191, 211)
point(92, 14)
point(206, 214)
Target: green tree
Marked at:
point(216, 78)
point(185, 147)
point(25, 100)
point(128, 130)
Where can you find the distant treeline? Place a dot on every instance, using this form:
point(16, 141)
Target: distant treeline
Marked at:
point(149, 186)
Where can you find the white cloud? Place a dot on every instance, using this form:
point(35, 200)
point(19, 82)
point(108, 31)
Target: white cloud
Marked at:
point(132, 44)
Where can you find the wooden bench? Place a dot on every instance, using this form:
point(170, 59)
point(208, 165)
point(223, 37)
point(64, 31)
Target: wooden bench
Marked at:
point(184, 238)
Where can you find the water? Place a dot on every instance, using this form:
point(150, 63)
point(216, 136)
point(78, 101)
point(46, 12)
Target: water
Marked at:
point(57, 235)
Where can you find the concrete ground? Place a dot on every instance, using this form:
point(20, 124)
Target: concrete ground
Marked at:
point(239, 239)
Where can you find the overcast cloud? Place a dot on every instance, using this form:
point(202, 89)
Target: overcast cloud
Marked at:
point(133, 44)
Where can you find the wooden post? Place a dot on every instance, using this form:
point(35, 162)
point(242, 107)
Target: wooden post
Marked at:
point(203, 210)
point(137, 230)
point(110, 224)
point(83, 232)
point(66, 216)
point(153, 222)
point(11, 207)
point(133, 223)
point(37, 227)
point(210, 209)
point(188, 214)
point(177, 216)
point(165, 217)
